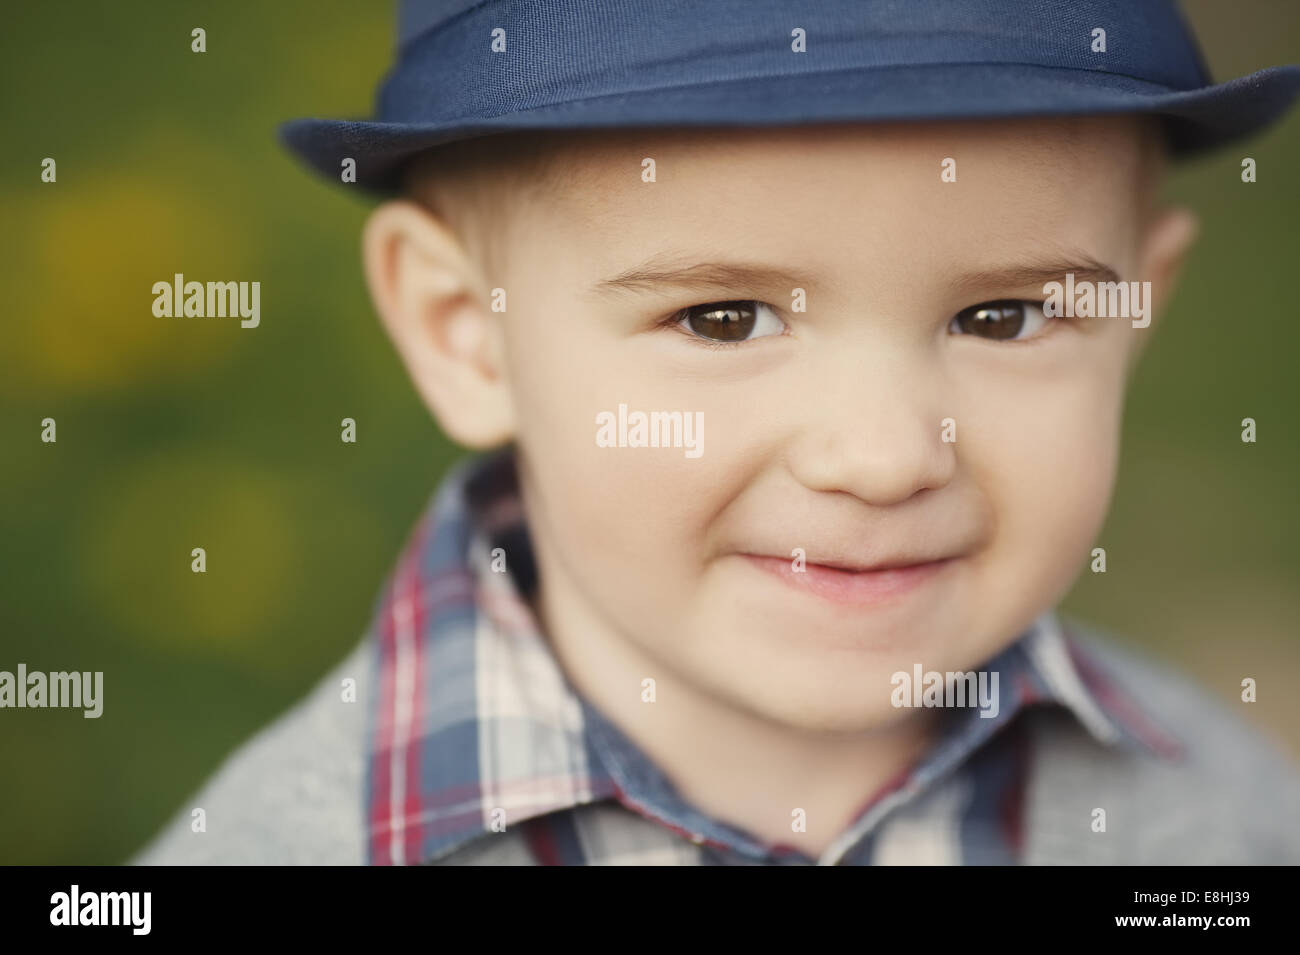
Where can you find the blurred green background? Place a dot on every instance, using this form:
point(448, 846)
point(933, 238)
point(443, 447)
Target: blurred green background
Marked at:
point(173, 435)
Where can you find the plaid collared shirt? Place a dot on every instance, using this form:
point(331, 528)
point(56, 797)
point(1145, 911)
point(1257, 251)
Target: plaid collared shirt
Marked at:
point(476, 736)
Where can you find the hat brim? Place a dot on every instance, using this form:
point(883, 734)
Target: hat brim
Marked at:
point(1196, 120)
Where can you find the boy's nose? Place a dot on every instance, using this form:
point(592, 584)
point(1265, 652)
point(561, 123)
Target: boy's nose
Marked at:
point(881, 441)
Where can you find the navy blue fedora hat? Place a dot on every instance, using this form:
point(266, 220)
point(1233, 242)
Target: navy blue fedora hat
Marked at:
point(469, 68)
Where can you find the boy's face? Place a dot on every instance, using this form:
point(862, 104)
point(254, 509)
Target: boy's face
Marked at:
point(825, 429)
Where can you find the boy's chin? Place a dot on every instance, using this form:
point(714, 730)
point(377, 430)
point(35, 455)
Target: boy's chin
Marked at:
point(836, 702)
point(839, 718)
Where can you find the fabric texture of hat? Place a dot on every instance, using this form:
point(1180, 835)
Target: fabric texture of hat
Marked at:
point(468, 68)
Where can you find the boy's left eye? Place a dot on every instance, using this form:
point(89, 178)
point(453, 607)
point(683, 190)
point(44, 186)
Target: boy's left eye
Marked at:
point(734, 321)
point(1003, 320)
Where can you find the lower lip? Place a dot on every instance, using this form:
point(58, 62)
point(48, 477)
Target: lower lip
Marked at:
point(856, 587)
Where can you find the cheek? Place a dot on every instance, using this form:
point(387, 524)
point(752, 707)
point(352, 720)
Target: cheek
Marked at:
point(632, 521)
point(1058, 488)
point(1047, 468)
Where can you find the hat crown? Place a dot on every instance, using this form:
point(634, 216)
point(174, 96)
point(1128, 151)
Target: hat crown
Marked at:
point(1156, 21)
point(559, 50)
point(417, 17)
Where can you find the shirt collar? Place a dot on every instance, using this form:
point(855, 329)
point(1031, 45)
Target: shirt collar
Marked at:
point(474, 726)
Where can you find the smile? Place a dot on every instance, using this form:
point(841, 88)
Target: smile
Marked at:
point(860, 587)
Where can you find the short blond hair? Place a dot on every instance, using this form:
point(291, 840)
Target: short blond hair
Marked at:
point(471, 185)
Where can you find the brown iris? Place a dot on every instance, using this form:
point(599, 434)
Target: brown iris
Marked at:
point(996, 320)
point(723, 321)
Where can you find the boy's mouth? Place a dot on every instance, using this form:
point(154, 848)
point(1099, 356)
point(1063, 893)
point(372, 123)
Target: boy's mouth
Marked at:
point(854, 584)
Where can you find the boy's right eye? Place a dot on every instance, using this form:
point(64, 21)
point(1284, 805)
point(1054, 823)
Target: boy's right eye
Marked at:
point(733, 321)
point(1002, 320)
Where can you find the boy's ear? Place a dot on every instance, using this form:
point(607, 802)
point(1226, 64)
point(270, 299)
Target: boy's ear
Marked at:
point(433, 302)
point(1168, 239)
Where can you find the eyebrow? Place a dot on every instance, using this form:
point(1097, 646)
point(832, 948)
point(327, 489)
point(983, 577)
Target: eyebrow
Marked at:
point(1036, 274)
point(659, 272)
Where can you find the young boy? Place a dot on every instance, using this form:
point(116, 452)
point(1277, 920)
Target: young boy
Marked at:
point(800, 393)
